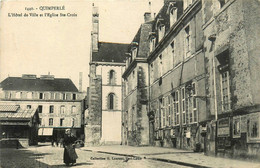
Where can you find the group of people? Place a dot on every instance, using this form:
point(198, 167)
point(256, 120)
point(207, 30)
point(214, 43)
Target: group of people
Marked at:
point(70, 155)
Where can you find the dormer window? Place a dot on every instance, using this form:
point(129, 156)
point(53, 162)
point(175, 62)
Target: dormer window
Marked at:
point(134, 53)
point(152, 40)
point(161, 31)
point(173, 16)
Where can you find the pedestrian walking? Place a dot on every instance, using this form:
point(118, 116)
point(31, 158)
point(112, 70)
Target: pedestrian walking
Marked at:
point(70, 155)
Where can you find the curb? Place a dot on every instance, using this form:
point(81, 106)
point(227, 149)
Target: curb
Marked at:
point(156, 159)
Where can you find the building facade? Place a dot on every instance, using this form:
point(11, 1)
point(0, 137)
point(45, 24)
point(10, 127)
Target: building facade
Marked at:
point(202, 66)
point(232, 65)
point(107, 63)
point(135, 128)
point(57, 101)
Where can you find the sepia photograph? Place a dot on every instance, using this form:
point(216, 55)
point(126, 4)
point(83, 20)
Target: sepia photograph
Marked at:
point(129, 83)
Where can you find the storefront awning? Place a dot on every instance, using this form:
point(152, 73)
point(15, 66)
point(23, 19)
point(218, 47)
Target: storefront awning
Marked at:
point(45, 131)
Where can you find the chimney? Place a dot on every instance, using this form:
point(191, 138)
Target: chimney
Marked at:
point(80, 81)
point(95, 28)
point(147, 17)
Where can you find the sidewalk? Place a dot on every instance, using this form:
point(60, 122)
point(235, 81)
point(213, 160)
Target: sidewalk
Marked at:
point(182, 157)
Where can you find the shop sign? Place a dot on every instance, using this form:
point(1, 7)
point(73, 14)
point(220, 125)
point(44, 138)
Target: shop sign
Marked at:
point(223, 128)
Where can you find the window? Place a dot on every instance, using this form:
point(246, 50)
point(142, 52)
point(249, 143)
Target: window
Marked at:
point(134, 53)
point(187, 41)
point(161, 32)
point(73, 109)
point(176, 108)
point(194, 104)
point(111, 101)
point(52, 96)
point(62, 109)
point(169, 111)
point(28, 107)
point(236, 127)
point(74, 96)
point(41, 96)
point(61, 121)
point(225, 91)
point(51, 109)
point(64, 96)
point(50, 121)
point(173, 15)
point(183, 103)
point(40, 108)
point(152, 43)
point(112, 77)
point(254, 127)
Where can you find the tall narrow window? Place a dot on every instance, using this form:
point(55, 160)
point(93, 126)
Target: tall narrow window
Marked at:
point(187, 41)
point(41, 96)
point(183, 102)
point(134, 53)
point(74, 97)
point(112, 77)
point(176, 108)
point(50, 121)
point(161, 32)
point(73, 109)
point(64, 96)
point(173, 15)
point(62, 109)
point(225, 91)
point(152, 43)
point(51, 109)
point(151, 72)
point(40, 108)
point(111, 101)
point(160, 112)
point(61, 121)
point(169, 111)
point(161, 64)
point(57, 96)
point(194, 103)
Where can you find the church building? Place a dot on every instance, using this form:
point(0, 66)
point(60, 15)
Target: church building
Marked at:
point(107, 64)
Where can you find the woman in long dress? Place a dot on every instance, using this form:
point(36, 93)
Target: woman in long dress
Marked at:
point(69, 156)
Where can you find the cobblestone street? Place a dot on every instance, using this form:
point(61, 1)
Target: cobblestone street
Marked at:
point(45, 155)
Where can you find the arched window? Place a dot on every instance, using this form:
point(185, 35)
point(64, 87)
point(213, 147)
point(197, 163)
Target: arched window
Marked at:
point(112, 77)
point(111, 101)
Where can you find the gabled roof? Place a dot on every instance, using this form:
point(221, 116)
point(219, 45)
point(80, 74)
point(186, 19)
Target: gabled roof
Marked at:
point(110, 52)
point(37, 84)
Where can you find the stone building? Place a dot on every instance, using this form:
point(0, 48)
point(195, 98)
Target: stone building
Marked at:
point(231, 31)
point(135, 128)
point(57, 101)
point(203, 80)
point(107, 63)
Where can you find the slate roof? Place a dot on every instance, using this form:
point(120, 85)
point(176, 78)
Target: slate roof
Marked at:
point(57, 84)
point(19, 114)
point(110, 52)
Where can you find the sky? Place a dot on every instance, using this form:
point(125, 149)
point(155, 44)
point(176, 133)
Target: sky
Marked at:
point(60, 45)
